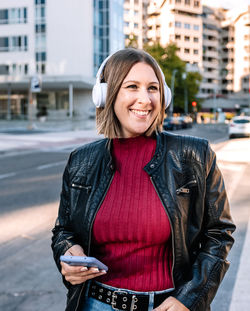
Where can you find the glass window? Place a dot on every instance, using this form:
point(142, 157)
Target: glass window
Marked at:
point(4, 44)
point(13, 16)
point(187, 38)
point(186, 51)
point(40, 2)
point(25, 14)
point(3, 16)
point(126, 24)
point(40, 28)
point(178, 24)
point(196, 39)
point(26, 69)
point(187, 26)
point(187, 2)
point(40, 12)
point(196, 52)
point(4, 69)
point(40, 42)
point(196, 27)
point(136, 25)
point(196, 3)
point(177, 37)
point(40, 56)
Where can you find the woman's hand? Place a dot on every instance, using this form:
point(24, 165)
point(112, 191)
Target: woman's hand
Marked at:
point(78, 274)
point(171, 304)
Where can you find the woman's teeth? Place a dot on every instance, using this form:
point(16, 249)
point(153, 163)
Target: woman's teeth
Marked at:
point(141, 112)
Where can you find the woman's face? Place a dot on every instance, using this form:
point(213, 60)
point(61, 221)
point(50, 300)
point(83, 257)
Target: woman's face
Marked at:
point(138, 100)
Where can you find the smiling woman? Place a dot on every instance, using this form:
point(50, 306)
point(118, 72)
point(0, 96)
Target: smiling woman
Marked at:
point(139, 78)
point(148, 204)
point(138, 101)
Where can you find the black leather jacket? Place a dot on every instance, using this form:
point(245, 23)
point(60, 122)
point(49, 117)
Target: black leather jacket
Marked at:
point(190, 186)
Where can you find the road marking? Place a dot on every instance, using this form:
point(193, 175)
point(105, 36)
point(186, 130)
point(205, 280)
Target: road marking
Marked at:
point(45, 166)
point(7, 175)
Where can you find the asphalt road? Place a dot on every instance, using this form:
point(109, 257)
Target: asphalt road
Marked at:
point(29, 191)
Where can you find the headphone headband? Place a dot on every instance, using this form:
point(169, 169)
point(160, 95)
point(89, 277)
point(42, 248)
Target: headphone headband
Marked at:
point(99, 92)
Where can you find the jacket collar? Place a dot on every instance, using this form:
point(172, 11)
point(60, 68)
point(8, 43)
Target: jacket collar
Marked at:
point(153, 163)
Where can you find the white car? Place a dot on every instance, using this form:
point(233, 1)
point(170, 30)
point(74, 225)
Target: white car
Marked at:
point(239, 126)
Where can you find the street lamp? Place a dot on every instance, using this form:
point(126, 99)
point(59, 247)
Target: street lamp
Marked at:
point(171, 108)
point(184, 77)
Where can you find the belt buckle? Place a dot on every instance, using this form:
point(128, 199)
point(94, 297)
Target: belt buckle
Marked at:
point(114, 296)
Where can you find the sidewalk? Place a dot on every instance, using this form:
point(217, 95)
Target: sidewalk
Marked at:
point(48, 125)
point(17, 136)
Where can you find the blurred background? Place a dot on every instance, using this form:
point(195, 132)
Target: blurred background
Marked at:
point(50, 51)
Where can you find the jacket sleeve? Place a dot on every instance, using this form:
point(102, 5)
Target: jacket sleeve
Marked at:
point(63, 236)
point(210, 265)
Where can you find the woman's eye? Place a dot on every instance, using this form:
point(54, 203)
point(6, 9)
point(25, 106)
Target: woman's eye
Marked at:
point(132, 86)
point(153, 88)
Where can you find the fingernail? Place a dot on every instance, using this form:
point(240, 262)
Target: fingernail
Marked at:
point(103, 271)
point(95, 269)
point(84, 269)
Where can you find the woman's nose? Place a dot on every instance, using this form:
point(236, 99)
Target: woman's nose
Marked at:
point(144, 97)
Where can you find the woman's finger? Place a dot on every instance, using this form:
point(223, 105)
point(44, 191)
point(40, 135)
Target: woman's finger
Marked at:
point(81, 279)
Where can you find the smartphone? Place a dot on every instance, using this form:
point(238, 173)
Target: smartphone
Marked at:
point(84, 261)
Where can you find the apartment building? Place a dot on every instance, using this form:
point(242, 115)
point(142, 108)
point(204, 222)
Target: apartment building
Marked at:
point(135, 22)
point(215, 40)
point(59, 42)
point(241, 72)
point(211, 20)
point(177, 21)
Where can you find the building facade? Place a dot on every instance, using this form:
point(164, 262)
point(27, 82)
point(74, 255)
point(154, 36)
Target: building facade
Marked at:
point(59, 43)
point(242, 52)
point(215, 41)
point(135, 22)
point(211, 52)
point(178, 21)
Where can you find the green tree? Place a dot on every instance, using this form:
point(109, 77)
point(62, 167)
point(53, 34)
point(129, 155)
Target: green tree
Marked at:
point(169, 61)
point(132, 41)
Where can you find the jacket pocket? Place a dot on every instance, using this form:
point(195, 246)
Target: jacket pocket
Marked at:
point(81, 187)
point(79, 194)
point(187, 187)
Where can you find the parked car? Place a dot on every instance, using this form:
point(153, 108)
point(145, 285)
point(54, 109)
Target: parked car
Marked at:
point(239, 127)
point(177, 123)
point(186, 121)
point(172, 124)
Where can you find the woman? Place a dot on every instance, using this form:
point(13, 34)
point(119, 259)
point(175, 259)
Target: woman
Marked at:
point(149, 204)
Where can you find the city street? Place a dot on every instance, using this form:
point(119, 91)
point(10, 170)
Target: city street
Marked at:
point(30, 181)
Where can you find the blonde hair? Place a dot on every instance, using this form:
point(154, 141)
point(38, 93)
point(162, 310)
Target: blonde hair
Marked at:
point(115, 71)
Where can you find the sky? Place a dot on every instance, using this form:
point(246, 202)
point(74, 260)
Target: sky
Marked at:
point(227, 4)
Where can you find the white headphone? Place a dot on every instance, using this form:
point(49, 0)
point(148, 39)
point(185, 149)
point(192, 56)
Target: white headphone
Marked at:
point(99, 92)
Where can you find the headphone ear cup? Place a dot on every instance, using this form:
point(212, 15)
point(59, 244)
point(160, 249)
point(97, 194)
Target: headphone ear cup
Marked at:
point(103, 92)
point(99, 94)
point(167, 95)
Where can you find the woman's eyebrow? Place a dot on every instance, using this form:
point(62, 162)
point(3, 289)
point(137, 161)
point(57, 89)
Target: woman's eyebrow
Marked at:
point(135, 81)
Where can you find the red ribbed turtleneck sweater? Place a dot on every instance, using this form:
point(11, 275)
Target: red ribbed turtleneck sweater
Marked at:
point(131, 231)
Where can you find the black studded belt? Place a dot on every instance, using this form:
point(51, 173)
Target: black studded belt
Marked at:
point(122, 300)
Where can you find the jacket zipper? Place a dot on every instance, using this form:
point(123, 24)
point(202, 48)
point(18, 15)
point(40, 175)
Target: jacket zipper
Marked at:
point(172, 235)
point(91, 225)
point(88, 188)
point(184, 188)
